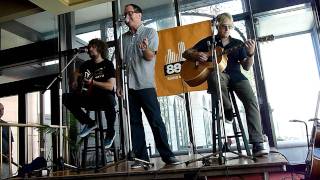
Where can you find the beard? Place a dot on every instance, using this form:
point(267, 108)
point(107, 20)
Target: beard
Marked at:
point(92, 56)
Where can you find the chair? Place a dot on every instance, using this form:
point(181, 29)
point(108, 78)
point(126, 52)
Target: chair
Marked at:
point(99, 141)
point(237, 127)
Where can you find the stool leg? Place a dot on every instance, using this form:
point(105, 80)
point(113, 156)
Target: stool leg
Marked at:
point(219, 131)
point(103, 154)
point(236, 135)
point(97, 142)
point(84, 152)
point(244, 138)
point(214, 121)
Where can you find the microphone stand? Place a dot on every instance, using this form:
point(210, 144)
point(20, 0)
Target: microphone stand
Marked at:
point(217, 107)
point(60, 161)
point(124, 104)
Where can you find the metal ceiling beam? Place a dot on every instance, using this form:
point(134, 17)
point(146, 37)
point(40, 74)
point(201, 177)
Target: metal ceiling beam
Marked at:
point(13, 9)
point(22, 30)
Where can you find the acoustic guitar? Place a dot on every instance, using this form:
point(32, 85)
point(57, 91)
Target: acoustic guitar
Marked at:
point(314, 173)
point(195, 73)
point(83, 88)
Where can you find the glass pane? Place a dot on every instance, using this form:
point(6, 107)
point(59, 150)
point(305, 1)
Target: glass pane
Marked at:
point(200, 11)
point(292, 82)
point(291, 74)
point(11, 116)
point(33, 117)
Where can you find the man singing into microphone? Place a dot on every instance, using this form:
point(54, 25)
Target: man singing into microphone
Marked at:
point(140, 45)
point(92, 86)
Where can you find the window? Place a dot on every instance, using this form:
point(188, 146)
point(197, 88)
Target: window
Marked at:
point(291, 74)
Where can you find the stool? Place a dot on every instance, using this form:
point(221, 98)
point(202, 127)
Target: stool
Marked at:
point(99, 143)
point(238, 132)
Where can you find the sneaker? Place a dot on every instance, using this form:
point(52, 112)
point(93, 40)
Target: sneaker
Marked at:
point(136, 165)
point(258, 150)
point(87, 129)
point(172, 161)
point(109, 140)
point(228, 114)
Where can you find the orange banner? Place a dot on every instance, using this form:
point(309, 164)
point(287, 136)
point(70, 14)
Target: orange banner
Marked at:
point(172, 43)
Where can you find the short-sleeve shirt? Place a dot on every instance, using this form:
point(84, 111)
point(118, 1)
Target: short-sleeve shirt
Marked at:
point(140, 71)
point(100, 72)
point(234, 57)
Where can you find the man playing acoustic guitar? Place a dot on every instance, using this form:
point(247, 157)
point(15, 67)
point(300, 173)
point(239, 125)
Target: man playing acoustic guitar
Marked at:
point(94, 91)
point(231, 76)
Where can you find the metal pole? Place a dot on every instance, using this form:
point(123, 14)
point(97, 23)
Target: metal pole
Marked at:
point(187, 95)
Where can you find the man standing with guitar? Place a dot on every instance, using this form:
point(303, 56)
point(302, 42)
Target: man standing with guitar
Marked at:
point(231, 77)
point(93, 87)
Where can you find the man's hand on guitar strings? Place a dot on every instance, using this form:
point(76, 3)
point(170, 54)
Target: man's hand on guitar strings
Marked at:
point(201, 56)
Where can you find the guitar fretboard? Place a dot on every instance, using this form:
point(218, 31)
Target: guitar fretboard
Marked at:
point(261, 39)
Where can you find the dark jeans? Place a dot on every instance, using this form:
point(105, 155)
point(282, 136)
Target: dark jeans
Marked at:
point(245, 93)
point(75, 102)
point(147, 100)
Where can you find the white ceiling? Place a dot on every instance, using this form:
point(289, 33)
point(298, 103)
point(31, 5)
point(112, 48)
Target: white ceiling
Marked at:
point(46, 22)
point(59, 7)
point(41, 22)
point(93, 13)
point(146, 4)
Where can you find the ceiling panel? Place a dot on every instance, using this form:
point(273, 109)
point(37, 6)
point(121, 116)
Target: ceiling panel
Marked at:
point(41, 22)
point(59, 7)
point(93, 13)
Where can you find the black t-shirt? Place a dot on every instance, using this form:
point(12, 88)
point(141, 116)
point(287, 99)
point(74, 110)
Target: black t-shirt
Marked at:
point(233, 65)
point(100, 72)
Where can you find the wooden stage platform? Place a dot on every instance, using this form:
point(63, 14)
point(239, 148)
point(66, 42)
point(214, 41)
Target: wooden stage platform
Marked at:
point(274, 162)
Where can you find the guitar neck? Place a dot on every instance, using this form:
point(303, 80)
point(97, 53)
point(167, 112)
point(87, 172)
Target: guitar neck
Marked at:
point(260, 39)
point(227, 51)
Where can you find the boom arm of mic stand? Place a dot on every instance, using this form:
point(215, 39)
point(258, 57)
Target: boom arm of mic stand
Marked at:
point(306, 126)
point(59, 77)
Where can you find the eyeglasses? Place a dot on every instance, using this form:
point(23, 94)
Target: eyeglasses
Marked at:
point(130, 13)
point(226, 26)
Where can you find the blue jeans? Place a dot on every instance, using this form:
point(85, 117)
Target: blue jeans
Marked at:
point(147, 100)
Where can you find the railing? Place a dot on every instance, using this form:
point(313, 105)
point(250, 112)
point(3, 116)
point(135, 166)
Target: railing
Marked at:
point(9, 158)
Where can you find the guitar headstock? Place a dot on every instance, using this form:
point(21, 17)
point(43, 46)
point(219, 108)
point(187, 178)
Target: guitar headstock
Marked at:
point(266, 38)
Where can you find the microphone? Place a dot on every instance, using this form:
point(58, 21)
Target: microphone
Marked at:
point(124, 19)
point(83, 49)
point(214, 18)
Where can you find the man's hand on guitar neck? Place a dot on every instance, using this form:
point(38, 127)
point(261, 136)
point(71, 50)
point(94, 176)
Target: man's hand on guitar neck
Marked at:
point(194, 55)
point(250, 47)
